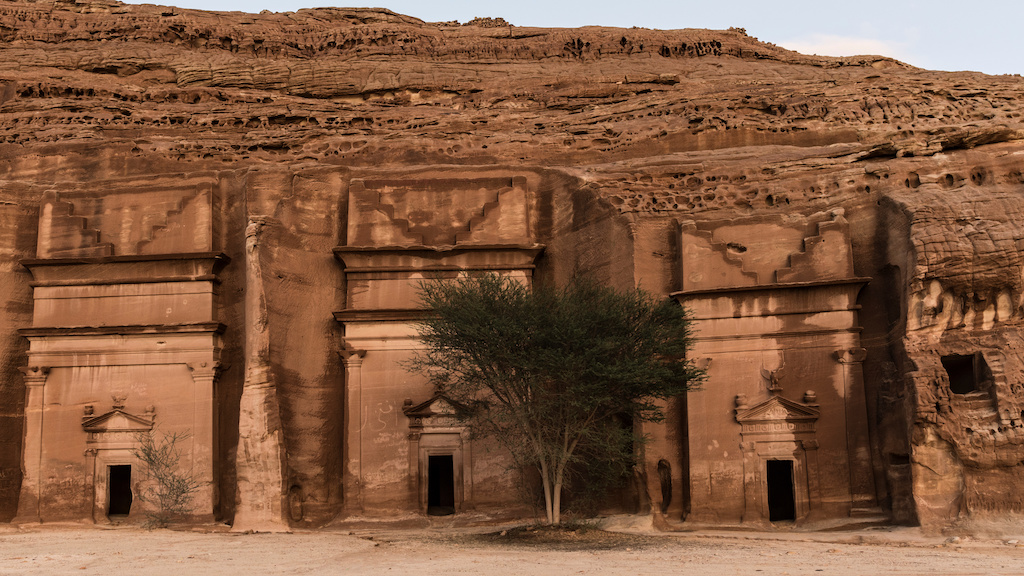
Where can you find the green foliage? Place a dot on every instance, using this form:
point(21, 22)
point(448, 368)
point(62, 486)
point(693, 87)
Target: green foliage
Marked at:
point(546, 372)
point(165, 485)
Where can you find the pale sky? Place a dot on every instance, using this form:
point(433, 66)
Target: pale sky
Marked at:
point(981, 35)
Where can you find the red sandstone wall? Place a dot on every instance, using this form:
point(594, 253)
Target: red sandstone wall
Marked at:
point(631, 132)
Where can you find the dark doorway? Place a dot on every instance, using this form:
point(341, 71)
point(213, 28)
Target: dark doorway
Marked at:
point(440, 485)
point(781, 499)
point(119, 487)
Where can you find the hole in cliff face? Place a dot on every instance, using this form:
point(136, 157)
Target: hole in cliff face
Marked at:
point(736, 247)
point(665, 478)
point(966, 373)
point(948, 180)
point(899, 459)
point(295, 503)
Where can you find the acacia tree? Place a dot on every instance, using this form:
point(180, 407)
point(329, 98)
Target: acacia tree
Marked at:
point(167, 486)
point(548, 371)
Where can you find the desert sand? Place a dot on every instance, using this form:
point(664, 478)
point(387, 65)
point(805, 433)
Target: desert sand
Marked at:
point(79, 549)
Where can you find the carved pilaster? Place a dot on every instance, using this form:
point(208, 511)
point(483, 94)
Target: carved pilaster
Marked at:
point(32, 451)
point(858, 441)
point(90, 481)
point(813, 481)
point(205, 431)
point(751, 484)
point(353, 471)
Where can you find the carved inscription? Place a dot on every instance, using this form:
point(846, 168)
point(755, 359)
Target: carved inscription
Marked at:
point(777, 427)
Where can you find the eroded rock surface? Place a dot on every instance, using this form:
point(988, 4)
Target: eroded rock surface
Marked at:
point(140, 125)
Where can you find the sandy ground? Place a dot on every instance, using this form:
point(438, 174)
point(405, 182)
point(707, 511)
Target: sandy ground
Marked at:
point(447, 551)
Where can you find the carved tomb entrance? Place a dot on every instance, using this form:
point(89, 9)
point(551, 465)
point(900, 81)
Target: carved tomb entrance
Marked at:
point(781, 490)
point(766, 293)
point(399, 232)
point(119, 489)
point(111, 441)
point(780, 464)
point(438, 456)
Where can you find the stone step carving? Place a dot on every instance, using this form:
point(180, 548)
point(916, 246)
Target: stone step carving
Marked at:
point(825, 256)
point(701, 247)
point(437, 212)
point(483, 227)
point(174, 230)
point(64, 235)
point(403, 226)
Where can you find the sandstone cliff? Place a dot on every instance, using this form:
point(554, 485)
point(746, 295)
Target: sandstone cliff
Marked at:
point(625, 132)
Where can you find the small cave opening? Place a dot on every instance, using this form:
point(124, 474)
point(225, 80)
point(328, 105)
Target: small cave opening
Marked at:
point(966, 373)
point(899, 459)
point(665, 479)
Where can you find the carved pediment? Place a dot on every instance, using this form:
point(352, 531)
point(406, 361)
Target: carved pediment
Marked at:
point(116, 425)
point(778, 415)
point(438, 411)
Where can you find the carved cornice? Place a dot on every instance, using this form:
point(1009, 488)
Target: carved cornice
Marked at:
point(447, 258)
point(197, 327)
point(859, 282)
point(129, 269)
point(380, 315)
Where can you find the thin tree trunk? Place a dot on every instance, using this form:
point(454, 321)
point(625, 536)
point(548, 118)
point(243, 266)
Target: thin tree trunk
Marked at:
point(546, 482)
point(558, 479)
point(557, 506)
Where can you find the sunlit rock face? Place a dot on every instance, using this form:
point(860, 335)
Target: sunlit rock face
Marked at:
point(215, 223)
